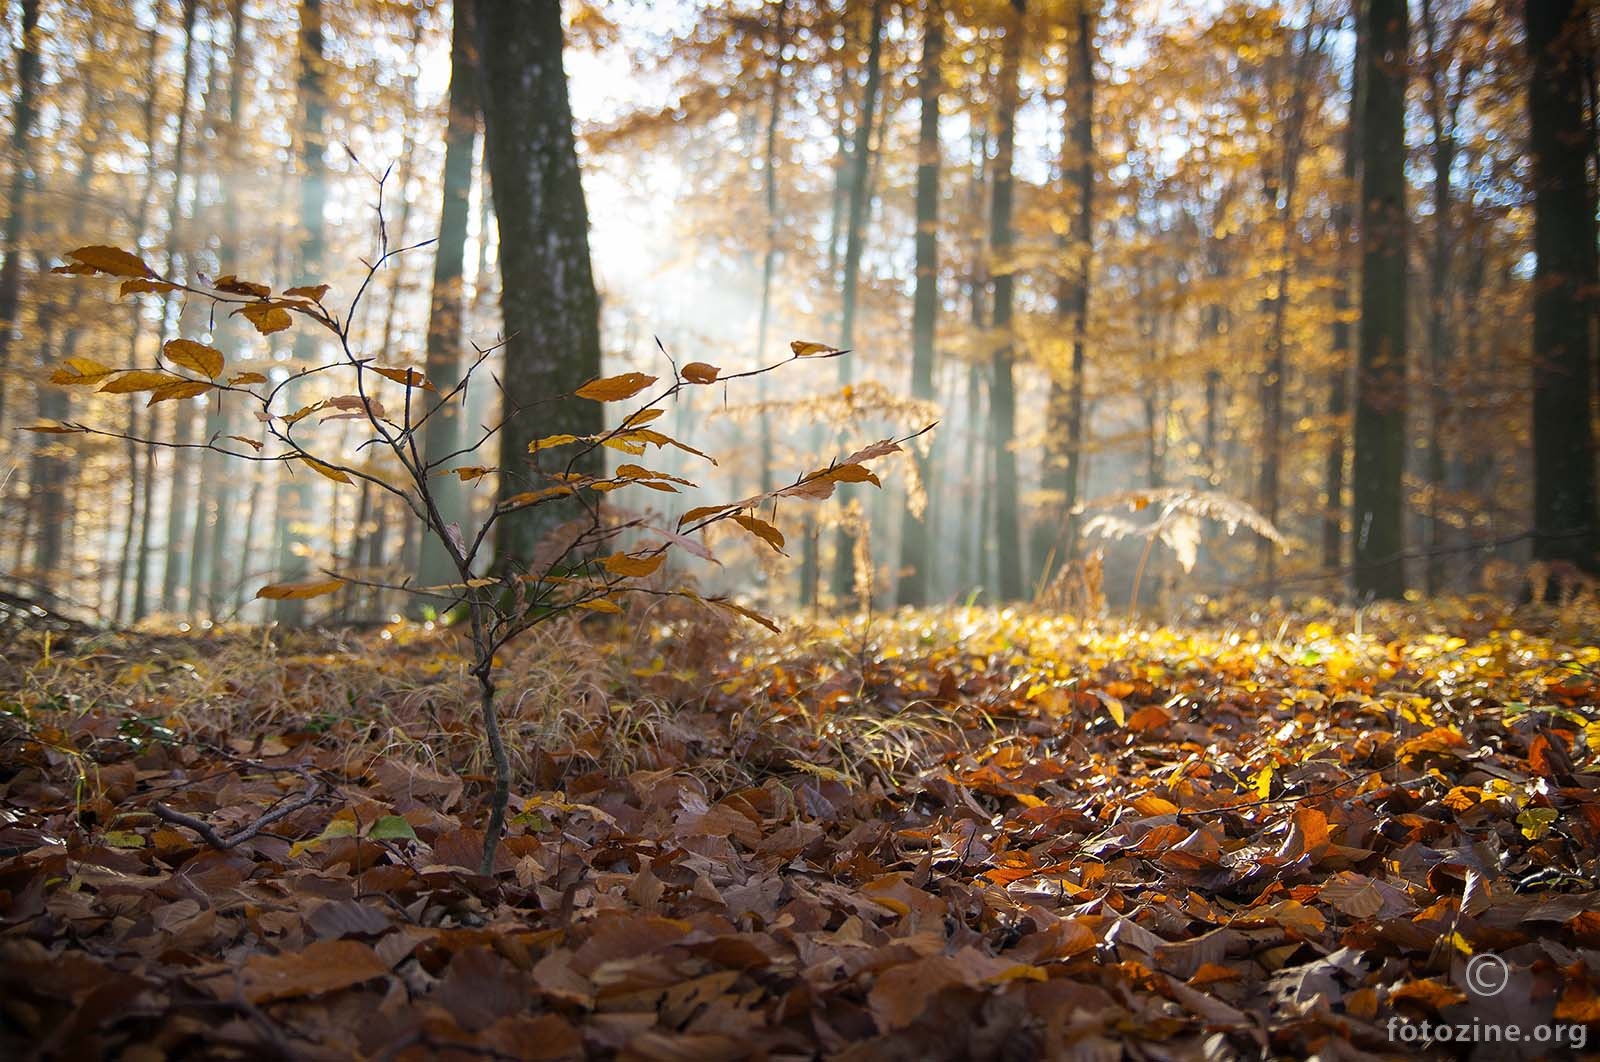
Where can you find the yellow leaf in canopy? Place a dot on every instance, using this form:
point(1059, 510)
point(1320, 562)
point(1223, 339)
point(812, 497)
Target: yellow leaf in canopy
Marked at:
point(266, 317)
point(80, 371)
point(804, 349)
point(698, 372)
point(335, 474)
point(53, 429)
point(187, 354)
point(234, 286)
point(632, 567)
point(314, 292)
point(615, 388)
point(409, 377)
point(467, 473)
point(761, 529)
point(113, 260)
point(602, 604)
point(550, 440)
point(179, 389)
point(141, 286)
point(299, 591)
point(138, 380)
point(246, 378)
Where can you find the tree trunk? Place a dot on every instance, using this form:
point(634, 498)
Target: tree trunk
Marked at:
point(294, 494)
point(1380, 442)
point(1002, 388)
point(552, 314)
point(769, 258)
point(1564, 522)
point(1333, 477)
point(441, 433)
point(1283, 189)
point(178, 498)
point(22, 117)
point(914, 554)
point(844, 568)
point(1064, 427)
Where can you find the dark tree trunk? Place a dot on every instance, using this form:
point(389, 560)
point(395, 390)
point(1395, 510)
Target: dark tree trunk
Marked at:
point(1564, 519)
point(22, 116)
point(844, 567)
point(914, 555)
point(442, 433)
point(294, 495)
point(1003, 393)
point(547, 297)
point(1380, 442)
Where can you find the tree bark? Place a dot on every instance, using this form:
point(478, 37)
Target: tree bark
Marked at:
point(1333, 473)
point(1283, 189)
point(442, 433)
point(294, 494)
point(844, 567)
point(1380, 443)
point(1080, 102)
point(17, 190)
point(547, 297)
point(1564, 521)
point(915, 561)
point(179, 505)
point(769, 258)
point(1002, 393)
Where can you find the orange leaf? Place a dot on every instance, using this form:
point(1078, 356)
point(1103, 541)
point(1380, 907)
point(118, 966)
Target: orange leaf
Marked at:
point(325, 966)
point(615, 388)
point(187, 354)
point(138, 380)
point(113, 260)
point(698, 372)
point(299, 591)
point(409, 377)
point(266, 317)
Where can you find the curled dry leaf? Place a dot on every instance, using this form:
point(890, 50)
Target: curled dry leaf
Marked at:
point(698, 372)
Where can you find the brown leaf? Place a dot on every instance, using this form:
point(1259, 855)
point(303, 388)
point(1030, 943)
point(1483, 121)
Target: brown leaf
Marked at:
point(698, 372)
point(112, 260)
point(266, 317)
point(187, 354)
point(324, 966)
point(615, 388)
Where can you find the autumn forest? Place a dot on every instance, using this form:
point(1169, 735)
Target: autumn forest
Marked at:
point(799, 528)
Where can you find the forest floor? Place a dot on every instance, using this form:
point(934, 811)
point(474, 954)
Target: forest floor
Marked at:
point(948, 834)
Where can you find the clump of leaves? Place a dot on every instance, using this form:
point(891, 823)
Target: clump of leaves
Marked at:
point(584, 564)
